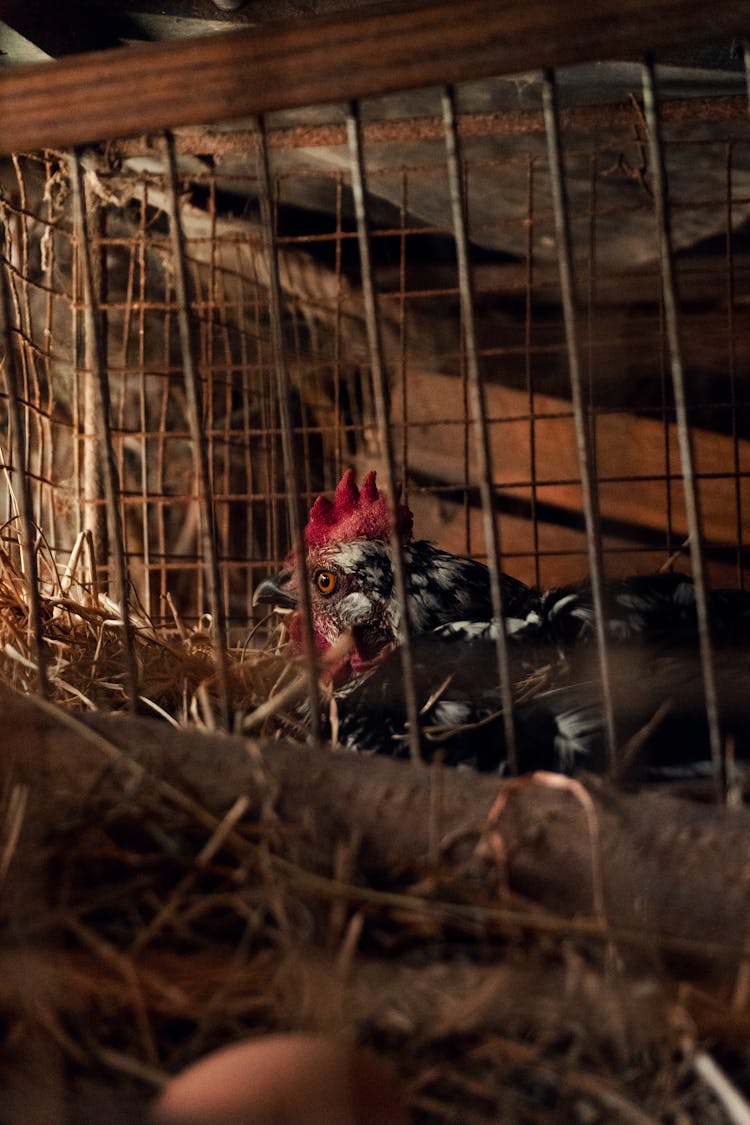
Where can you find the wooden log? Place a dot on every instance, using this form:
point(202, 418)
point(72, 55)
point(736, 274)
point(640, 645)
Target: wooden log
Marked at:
point(664, 869)
point(370, 51)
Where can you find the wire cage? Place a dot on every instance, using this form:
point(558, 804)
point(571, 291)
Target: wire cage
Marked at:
point(206, 325)
point(523, 295)
point(521, 341)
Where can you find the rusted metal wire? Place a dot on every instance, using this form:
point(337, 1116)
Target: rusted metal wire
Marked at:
point(479, 419)
point(684, 436)
point(33, 432)
point(380, 398)
point(97, 375)
point(583, 437)
point(284, 392)
point(143, 407)
point(22, 486)
point(416, 293)
point(509, 122)
point(193, 400)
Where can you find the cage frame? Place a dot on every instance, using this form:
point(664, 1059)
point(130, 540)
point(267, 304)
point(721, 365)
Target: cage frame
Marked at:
point(332, 59)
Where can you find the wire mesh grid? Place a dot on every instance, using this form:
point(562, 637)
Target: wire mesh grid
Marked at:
point(514, 312)
point(536, 491)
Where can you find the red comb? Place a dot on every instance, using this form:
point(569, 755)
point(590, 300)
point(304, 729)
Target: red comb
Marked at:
point(355, 513)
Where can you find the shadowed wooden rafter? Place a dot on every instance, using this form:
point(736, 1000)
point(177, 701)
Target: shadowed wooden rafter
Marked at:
point(369, 51)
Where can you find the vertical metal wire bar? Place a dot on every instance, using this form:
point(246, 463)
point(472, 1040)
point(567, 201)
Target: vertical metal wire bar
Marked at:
point(17, 253)
point(746, 60)
point(528, 369)
point(48, 441)
point(244, 388)
point(403, 311)
point(340, 435)
point(21, 301)
point(97, 374)
point(210, 397)
point(590, 307)
point(160, 485)
point(380, 396)
point(76, 411)
point(466, 450)
point(583, 437)
point(478, 409)
point(283, 393)
point(684, 436)
point(671, 540)
point(732, 367)
point(216, 317)
point(22, 490)
point(197, 436)
point(32, 388)
point(94, 493)
point(231, 469)
point(200, 359)
point(143, 396)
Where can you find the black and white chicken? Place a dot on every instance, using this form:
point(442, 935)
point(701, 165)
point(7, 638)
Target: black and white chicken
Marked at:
point(352, 589)
point(651, 623)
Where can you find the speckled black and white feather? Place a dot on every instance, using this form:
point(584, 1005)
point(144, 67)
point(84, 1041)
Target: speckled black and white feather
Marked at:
point(559, 729)
point(443, 588)
point(658, 607)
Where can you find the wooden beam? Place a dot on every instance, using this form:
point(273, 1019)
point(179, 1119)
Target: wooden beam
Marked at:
point(655, 887)
point(373, 50)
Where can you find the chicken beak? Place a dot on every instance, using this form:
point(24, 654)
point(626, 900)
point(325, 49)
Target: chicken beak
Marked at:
point(275, 592)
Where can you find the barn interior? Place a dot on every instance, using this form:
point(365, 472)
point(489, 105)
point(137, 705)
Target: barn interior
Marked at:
point(502, 258)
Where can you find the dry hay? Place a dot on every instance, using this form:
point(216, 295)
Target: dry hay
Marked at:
point(84, 643)
point(141, 931)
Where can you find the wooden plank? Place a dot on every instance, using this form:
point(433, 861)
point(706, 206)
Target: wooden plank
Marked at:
point(563, 553)
point(562, 549)
point(636, 456)
point(374, 50)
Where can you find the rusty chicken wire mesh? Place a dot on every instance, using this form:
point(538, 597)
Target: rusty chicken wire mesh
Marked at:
point(520, 337)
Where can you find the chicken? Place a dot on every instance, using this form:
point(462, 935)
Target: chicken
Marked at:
point(650, 620)
point(351, 578)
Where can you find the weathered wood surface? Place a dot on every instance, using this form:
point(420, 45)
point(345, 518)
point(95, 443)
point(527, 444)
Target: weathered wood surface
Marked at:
point(639, 472)
point(635, 456)
point(371, 51)
point(669, 869)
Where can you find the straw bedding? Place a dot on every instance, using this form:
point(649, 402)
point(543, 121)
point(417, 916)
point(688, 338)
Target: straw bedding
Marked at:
point(530, 951)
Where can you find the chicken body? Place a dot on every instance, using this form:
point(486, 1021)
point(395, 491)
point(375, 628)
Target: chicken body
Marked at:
point(650, 622)
point(657, 697)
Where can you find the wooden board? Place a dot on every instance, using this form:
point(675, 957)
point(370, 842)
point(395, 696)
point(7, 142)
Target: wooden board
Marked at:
point(561, 554)
point(640, 490)
point(371, 51)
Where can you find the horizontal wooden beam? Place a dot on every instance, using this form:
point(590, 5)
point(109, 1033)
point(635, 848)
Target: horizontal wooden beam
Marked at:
point(373, 50)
